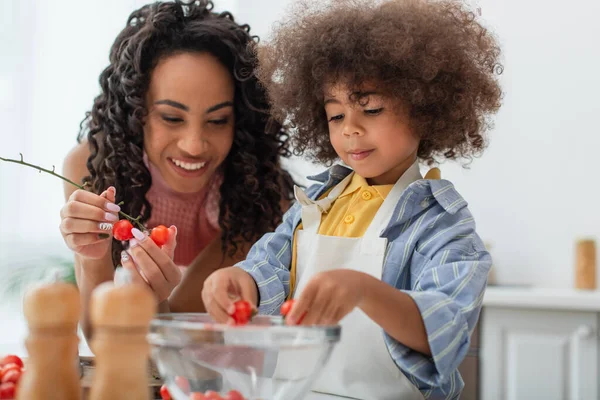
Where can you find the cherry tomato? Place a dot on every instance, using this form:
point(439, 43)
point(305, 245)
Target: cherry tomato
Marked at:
point(243, 312)
point(9, 367)
point(197, 396)
point(11, 358)
point(287, 307)
point(160, 235)
point(122, 230)
point(12, 375)
point(7, 390)
point(210, 395)
point(183, 383)
point(234, 395)
point(164, 393)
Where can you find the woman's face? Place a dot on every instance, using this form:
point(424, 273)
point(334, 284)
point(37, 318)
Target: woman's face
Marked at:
point(190, 126)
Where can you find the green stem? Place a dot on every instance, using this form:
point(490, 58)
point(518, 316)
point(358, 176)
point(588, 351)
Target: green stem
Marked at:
point(82, 187)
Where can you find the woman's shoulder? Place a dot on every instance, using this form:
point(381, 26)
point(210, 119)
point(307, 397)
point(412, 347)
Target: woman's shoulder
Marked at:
point(75, 166)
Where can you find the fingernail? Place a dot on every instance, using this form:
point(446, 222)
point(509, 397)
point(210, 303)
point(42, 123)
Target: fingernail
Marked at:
point(113, 190)
point(124, 256)
point(139, 235)
point(113, 207)
point(110, 217)
point(231, 309)
point(132, 243)
point(105, 226)
point(174, 228)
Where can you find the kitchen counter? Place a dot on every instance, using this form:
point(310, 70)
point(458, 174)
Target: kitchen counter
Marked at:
point(542, 298)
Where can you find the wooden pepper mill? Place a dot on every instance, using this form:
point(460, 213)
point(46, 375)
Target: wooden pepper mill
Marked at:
point(120, 314)
point(52, 314)
point(585, 265)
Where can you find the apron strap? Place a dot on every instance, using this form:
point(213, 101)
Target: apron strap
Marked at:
point(312, 209)
point(385, 212)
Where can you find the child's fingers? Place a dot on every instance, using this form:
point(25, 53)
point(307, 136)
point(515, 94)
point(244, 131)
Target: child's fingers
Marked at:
point(217, 312)
point(302, 306)
point(320, 302)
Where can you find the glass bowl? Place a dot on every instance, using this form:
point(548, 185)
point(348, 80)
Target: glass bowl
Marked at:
point(264, 360)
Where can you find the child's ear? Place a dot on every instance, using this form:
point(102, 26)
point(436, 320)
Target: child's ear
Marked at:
point(433, 174)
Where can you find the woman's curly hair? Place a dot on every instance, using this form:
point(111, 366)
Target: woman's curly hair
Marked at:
point(433, 57)
point(254, 183)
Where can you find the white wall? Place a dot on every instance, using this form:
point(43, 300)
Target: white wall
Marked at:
point(533, 192)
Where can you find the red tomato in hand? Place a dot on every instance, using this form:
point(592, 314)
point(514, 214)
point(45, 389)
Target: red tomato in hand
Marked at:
point(287, 307)
point(164, 393)
point(12, 375)
point(234, 395)
point(243, 312)
point(7, 390)
point(7, 368)
point(160, 235)
point(11, 358)
point(197, 396)
point(122, 230)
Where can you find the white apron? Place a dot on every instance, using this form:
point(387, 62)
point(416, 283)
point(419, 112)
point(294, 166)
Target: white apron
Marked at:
point(360, 366)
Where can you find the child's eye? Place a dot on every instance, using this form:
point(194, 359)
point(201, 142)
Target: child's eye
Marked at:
point(171, 120)
point(336, 118)
point(222, 121)
point(375, 111)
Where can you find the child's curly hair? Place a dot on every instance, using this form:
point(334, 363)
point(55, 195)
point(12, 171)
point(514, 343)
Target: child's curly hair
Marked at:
point(432, 56)
point(254, 181)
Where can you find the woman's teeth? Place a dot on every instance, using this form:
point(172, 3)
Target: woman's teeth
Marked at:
point(188, 166)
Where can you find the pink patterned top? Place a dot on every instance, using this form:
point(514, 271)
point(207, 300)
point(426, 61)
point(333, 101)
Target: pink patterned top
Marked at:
point(196, 215)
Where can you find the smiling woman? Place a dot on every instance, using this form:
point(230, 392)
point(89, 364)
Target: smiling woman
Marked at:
point(180, 134)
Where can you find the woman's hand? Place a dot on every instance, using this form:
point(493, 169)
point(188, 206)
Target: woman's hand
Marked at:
point(153, 265)
point(86, 222)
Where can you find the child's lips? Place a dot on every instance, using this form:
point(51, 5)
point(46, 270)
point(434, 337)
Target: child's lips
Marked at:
point(358, 155)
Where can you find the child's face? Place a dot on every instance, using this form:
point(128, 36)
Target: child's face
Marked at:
point(190, 126)
point(371, 136)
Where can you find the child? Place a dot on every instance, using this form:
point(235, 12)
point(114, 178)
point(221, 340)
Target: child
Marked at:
point(392, 257)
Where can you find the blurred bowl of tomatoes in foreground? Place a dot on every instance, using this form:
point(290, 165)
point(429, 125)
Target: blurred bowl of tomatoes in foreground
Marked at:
point(263, 359)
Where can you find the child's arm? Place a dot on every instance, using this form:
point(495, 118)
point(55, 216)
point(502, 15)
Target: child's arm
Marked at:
point(269, 261)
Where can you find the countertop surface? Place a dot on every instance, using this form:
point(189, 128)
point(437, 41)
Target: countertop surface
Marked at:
point(542, 298)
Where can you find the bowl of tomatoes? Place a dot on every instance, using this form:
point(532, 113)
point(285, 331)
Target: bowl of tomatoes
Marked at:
point(259, 358)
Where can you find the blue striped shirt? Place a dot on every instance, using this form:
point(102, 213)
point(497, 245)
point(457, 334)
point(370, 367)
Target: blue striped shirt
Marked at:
point(433, 254)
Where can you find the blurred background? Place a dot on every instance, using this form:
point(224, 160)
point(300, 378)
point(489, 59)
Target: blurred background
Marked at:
point(534, 192)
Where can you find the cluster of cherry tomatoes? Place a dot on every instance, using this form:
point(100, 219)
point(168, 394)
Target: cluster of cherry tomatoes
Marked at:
point(11, 369)
point(184, 386)
point(122, 231)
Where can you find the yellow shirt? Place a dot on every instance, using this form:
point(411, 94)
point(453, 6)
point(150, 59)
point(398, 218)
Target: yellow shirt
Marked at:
point(349, 216)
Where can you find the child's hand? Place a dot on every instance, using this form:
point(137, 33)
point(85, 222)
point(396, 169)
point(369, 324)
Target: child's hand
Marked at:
point(223, 288)
point(153, 265)
point(328, 297)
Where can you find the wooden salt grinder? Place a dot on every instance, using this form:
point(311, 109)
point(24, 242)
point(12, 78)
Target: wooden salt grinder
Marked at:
point(585, 265)
point(120, 314)
point(52, 314)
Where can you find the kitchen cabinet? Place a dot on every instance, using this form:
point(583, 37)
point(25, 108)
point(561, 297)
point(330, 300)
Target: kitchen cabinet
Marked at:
point(539, 344)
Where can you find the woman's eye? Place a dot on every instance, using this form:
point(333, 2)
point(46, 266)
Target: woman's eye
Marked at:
point(222, 121)
point(171, 119)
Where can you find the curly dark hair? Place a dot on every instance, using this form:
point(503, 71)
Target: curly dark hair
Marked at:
point(433, 57)
point(254, 183)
